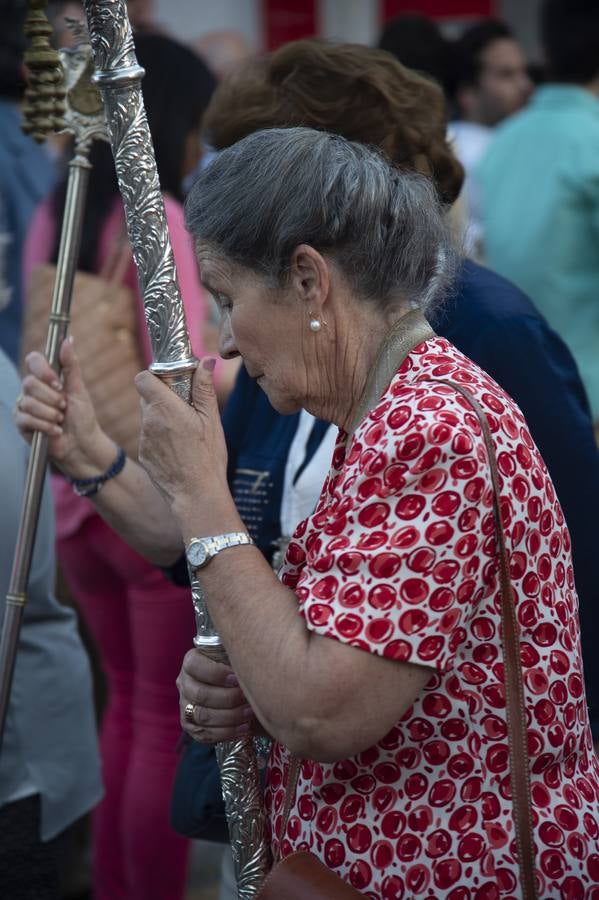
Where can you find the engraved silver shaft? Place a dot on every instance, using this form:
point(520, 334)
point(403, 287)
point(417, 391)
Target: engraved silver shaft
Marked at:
point(118, 77)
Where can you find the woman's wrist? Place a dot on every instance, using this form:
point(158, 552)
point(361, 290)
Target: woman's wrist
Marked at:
point(90, 460)
point(211, 512)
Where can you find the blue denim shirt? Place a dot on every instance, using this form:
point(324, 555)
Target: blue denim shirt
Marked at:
point(27, 174)
point(50, 746)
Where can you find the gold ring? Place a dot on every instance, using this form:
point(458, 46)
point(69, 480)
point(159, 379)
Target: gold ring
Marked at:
point(188, 712)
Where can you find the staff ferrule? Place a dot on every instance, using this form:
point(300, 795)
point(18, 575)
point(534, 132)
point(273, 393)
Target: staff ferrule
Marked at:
point(123, 77)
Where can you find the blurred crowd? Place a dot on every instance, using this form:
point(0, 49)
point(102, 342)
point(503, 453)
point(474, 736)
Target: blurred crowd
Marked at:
point(512, 146)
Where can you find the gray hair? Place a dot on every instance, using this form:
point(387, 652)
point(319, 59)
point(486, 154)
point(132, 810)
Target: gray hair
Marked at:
point(281, 187)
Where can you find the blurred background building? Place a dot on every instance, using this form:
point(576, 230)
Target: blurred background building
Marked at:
point(266, 24)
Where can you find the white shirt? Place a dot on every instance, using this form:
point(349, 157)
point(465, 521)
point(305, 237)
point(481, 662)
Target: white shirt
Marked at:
point(470, 141)
point(299, 499)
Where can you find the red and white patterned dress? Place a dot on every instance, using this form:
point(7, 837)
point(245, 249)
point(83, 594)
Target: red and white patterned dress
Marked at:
point(399, 559)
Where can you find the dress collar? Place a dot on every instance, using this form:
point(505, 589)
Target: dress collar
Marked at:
point(409, 331)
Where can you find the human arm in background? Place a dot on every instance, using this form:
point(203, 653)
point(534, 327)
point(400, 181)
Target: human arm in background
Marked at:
point(77, 445)
point(129, 503)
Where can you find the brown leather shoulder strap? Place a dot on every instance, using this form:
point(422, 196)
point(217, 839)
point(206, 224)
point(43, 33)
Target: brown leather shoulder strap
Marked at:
point(514, 689)
point(295, 765)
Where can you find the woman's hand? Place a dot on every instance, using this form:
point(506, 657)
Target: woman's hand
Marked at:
point(182, 447)
point(220, 710)
point(62, 411)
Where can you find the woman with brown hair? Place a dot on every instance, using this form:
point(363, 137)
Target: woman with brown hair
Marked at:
point(348, 89)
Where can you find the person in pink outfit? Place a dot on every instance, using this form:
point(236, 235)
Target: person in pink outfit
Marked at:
point(141, 623)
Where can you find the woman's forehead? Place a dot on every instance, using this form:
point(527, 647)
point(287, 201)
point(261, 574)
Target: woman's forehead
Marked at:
point(214, 264)
point(217, 270)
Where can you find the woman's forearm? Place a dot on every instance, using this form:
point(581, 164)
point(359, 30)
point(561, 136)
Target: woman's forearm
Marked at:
point(322, 699)
point(132, 506)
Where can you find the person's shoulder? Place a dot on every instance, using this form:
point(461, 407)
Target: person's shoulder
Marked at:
point(519, 123)
point(481, 299)
point(422, 407)
point(518, 133)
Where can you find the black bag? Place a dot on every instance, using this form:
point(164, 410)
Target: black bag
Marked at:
point(197, 808)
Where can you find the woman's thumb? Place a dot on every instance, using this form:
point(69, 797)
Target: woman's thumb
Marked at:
point(71, 373)
point(203, 395)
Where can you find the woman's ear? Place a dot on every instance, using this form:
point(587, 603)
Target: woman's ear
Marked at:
point(310, 279)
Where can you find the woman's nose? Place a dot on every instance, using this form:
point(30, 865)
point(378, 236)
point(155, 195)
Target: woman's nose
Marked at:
point(226, 343)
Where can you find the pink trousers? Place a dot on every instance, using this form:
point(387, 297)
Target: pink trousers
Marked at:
point(142, 626)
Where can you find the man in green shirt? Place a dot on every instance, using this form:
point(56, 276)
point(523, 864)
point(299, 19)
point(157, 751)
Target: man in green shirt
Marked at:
point(540, 187)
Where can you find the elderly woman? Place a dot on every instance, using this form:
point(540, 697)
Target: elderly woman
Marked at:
point(389, 683)
point(366, 95)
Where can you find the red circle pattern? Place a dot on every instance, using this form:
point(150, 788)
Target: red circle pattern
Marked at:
point(398, 559)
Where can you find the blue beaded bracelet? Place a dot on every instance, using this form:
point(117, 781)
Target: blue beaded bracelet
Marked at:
point(87, 487)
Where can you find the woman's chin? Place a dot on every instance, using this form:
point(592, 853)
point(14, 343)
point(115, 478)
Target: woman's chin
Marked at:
point(282, 404)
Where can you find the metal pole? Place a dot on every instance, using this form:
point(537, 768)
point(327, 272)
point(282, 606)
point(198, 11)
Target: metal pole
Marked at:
point(83, 117)
point(118, 76)
point(16, 597)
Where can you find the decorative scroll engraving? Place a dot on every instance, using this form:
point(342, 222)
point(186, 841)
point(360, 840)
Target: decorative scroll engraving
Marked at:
point(84, 114)
point(240, 781)
point(118, 75)
point(245, 815)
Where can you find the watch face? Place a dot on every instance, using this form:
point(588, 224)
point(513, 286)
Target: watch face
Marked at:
point(197, 554)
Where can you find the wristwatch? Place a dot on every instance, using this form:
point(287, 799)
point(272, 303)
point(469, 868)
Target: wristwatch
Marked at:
point(200, 551)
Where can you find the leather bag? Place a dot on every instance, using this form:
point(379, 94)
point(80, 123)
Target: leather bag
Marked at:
point(104, 327)
point(301, 876)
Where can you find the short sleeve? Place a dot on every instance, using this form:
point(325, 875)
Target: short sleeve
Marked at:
point(398, 555)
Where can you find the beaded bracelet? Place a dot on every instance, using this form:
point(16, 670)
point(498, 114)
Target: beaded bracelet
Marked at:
point(87, 487)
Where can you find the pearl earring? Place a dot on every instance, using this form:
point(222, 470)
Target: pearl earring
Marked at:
point(315, 324)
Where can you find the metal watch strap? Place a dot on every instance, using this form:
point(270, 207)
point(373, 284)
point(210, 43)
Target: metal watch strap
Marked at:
point(211, 545)
point(231, 539)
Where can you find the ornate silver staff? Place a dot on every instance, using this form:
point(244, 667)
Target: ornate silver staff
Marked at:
point(84, 118)
point(118, 76)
